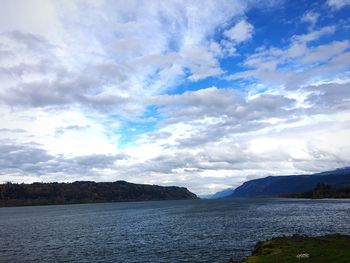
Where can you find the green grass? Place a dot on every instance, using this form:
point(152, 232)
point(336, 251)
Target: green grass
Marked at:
point(325, 249)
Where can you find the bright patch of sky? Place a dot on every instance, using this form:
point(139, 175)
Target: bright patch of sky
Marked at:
point(201, 94)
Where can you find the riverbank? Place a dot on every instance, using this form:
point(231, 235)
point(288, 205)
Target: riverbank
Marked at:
point(323, 249)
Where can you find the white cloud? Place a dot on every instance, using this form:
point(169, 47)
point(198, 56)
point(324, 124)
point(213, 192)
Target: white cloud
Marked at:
point(240, 32)
point(338, 4)
point(299, 63)
point(310, 17)
point(202, 63)
point(314, 35)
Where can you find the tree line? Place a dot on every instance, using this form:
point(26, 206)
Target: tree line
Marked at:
point(323, 191)
point(12, 194)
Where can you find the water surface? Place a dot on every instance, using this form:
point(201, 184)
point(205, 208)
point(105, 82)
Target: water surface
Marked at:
point(164, 231)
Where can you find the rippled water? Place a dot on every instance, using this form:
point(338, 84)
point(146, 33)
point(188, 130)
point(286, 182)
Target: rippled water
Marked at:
point(164, 231)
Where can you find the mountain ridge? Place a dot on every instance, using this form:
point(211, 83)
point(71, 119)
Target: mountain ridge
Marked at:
point(271, 186)
point(220, 194)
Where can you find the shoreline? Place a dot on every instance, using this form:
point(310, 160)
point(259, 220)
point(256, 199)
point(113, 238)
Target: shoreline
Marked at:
point(312, 249)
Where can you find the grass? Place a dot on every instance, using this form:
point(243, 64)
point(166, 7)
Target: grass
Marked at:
point(325, 249)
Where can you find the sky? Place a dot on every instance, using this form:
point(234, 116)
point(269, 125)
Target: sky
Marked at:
point(200, 94)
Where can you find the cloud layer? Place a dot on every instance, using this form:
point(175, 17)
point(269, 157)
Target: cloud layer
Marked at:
point(204, 94)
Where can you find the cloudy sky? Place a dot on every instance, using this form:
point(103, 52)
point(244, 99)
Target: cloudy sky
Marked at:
point(201, 94)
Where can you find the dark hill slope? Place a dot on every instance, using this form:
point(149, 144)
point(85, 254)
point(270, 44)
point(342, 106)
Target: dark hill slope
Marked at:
point(87, 192)
point(280, 185)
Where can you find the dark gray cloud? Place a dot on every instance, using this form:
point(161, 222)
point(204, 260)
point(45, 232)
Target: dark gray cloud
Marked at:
point(226, 103)
point(30, 159)
point(212, 133)
point(229, 111)
point(71, 90)
point(62, 130)
point(30, 41)
point(59, 85)
point(12, 130)
point(22, 157)
point(329, 98)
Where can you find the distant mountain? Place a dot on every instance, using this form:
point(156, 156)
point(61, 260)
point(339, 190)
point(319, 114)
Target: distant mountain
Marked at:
point(280, 185)
point(87, 192)
point(220, 194)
